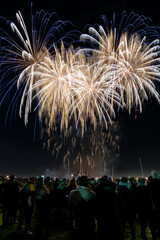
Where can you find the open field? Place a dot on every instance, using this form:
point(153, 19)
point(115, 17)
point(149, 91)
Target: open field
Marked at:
point(60, 232)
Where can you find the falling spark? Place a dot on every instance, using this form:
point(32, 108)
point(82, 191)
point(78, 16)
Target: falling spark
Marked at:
point(22, 53)
point(94, 94)
point(54, 87)
point(137, 68)
point(132, 57)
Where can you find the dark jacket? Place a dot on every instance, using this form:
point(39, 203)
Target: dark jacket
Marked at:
point(143, 200)
point(109, 213)
point(80, 203)
point(154, 188)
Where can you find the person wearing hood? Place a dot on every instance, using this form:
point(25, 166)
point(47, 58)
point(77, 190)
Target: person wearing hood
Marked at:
point(81, 204)
point(144, 208)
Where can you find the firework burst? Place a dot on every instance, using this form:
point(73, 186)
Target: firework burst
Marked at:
point(94, 93)
point(72, 85)
point(22, 53)
point(131, 55)
point(137, 68)
point(54, 87)
point(75, 90)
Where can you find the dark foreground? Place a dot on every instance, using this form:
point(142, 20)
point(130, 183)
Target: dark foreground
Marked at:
point(61, 232)
point(39, 209)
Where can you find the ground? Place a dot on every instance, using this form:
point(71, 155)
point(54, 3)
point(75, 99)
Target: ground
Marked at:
point(62, 232)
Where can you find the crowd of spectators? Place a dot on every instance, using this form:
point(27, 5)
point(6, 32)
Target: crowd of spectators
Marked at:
point(93, 208)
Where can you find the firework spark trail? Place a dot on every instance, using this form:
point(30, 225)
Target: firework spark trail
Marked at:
point(87, 153)
point(74, 85)
point(94, 91)
point(109, 36)
point(54, 86)
point(132, 56)
point(79, 89)
point(69, 85)
point(21, 58)
point(137, 68)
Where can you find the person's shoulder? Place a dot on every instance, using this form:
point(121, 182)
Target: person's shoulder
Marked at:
point(93, 193)
point(73, 192)
point(73, 195)
point(154, 182)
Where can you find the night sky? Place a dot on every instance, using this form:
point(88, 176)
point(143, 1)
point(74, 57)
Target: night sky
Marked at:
point(20, 154)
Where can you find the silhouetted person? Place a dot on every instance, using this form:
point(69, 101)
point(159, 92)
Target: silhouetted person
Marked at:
point(144, 208)
point(81, 203)
point(154, 188)
point(49, 197)
point(10, 201)
point(133, 183)
point(43, 207)
point(4, 203)
point(60, 201)
point(126, 196)
point(48, 185)
point(71, 185)
point(109, 211)
point(92, 183)
point(27, 195)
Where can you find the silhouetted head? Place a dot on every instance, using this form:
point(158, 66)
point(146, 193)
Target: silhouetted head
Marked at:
point(82, 181)
point(47, 180)
point(141, 181)
point(105, 182)
point(155, 174)
point(72, 182)
point(40, 180)
point(150, 178)
point(124, 180)
point(32, 180)
point(12, 177)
